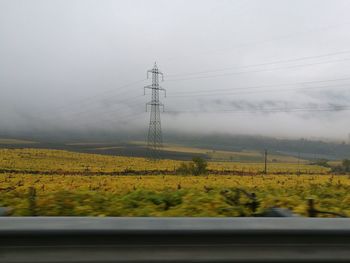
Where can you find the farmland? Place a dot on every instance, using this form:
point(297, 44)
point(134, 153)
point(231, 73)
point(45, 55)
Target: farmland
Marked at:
point(66, 162)
point(55, 182)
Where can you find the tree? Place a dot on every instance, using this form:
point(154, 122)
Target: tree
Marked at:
point(346, 165)
point(198, 166)
point(343, 168)
point(322, 162)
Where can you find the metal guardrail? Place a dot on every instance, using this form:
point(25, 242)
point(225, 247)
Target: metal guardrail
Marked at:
point(77, 239)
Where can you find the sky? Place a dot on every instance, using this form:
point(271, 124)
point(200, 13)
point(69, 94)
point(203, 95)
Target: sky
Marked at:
point(273, 67)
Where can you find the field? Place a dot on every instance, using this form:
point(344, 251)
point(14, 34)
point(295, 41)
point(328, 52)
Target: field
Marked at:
point(54, 182)
point(39, 161)
point(237, 156)
point(221, 155)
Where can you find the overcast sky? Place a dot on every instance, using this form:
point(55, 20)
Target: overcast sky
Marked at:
point(272, 67)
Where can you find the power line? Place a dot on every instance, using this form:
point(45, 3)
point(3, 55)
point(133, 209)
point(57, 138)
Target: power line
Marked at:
point(64, 109)
point(139, 115)
point(196, 92)
point(112, 119)
point(234, 91)
point(334, 108)
point(262, 64)
point(88, 100)
point(260, 70)
point(270, 85)
point(125, 118)
point(131, 99)
point(254, 43)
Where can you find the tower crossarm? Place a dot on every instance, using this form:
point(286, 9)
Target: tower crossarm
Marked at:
point(159, 88)
point(154, 103)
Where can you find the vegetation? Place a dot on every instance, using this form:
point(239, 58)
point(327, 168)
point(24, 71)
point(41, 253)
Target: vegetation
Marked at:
point(63, 195)
point(343, 168)
point(52, 182)
point(64, 162)
point(322, 162)
point(198, 166)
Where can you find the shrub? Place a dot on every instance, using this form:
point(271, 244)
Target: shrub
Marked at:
point(198, 166)
point(321, 162)
point(343, 168)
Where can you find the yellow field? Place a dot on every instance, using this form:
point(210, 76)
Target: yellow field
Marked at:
point(57, 160)
point(64, 192)
point(169, 195)
point(65, 162)
point(221, 155)
point(242, 156)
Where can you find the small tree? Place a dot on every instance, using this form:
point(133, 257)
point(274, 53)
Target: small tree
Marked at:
point(346, 165)
point(322, 162)
point(343, 168)
point(198, 166)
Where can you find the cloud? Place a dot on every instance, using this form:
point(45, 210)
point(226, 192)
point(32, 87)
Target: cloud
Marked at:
point(64, 65)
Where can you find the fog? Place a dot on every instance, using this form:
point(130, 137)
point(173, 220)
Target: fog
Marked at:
point(273, 68)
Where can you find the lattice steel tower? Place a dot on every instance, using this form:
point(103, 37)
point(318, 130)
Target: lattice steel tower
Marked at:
point(155, 139)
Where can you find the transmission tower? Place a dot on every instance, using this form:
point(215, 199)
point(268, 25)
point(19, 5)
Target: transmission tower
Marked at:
point(155, 139)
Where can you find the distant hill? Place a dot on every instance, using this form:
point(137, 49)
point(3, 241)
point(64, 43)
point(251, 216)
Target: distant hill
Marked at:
point(309, 149)
point(108, 143)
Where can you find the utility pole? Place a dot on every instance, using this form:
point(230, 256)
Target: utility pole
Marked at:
point(265, 159)
point(154, 139)
point(298, 163)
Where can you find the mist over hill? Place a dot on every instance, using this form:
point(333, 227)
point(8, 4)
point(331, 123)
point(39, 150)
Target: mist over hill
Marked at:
point(305, 148)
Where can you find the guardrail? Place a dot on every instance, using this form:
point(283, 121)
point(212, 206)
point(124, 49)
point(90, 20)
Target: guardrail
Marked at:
point(76, 239)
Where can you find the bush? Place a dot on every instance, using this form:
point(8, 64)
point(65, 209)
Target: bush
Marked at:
point(184, 169)
point(321, 162)
point(343, 168)
point(198, 166)
point(346, 165)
